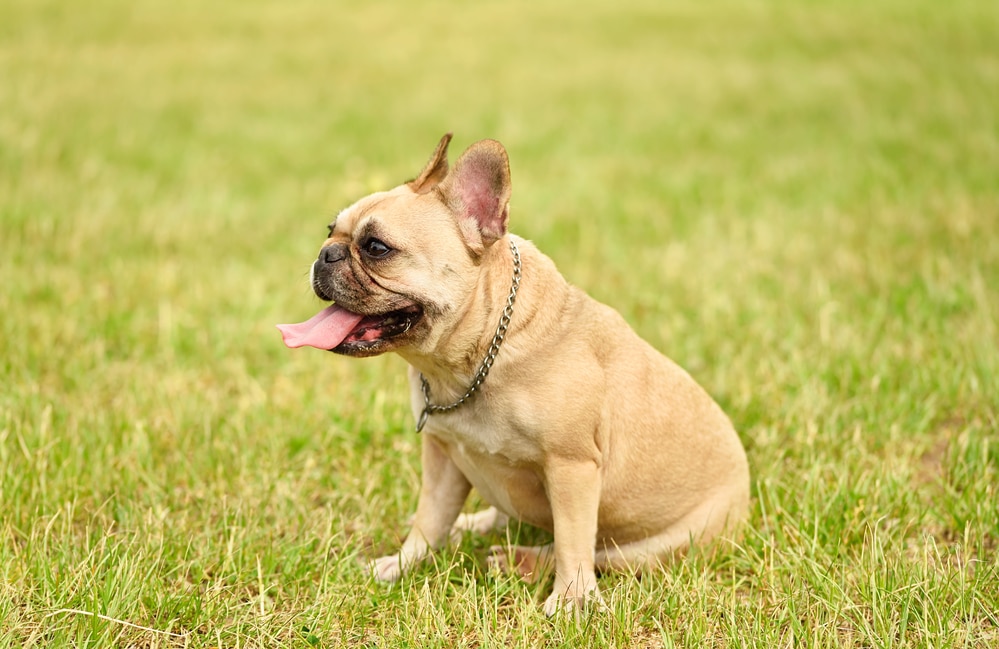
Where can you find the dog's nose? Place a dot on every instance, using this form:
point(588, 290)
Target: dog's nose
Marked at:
point(332, 254)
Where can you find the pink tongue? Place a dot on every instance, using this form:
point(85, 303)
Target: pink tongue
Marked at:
point(325, 330)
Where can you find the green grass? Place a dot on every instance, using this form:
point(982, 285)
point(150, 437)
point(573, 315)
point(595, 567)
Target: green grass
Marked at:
point(799, 202)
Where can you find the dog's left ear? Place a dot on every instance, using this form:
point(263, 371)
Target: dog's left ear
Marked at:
point(435, 171)
point(478, 189)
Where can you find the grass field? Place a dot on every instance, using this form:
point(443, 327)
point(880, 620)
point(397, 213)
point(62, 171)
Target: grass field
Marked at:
point(797, 201)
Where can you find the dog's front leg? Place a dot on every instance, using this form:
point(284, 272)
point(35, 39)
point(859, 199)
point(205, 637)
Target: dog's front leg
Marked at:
point(442, 494)
point(574, 493)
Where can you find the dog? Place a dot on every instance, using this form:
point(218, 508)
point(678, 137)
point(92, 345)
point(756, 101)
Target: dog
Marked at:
point(524, 387)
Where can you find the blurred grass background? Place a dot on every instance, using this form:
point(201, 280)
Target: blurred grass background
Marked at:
point(796, 201)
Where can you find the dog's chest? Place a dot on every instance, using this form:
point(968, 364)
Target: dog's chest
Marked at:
point(484, 436)
point(502, 462)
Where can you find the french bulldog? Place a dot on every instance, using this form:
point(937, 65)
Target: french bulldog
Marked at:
point(525, 388)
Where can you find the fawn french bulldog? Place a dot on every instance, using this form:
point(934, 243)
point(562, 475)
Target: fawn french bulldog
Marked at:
point(524, 387)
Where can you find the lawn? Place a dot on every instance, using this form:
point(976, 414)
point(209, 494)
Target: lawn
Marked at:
point(796, 201)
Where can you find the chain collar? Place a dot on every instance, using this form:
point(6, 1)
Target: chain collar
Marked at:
point(487, 362)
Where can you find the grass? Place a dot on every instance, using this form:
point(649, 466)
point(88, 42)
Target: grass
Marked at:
point(796, 201)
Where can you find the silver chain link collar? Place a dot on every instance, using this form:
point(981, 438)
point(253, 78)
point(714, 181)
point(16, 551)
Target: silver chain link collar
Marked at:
point(487, 363)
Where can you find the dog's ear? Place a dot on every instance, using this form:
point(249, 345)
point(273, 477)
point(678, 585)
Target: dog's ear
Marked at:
point(478, 189)
point(435, 171)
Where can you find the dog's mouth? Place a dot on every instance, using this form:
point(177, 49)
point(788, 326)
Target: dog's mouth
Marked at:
point(337, 329)
point(372, 330)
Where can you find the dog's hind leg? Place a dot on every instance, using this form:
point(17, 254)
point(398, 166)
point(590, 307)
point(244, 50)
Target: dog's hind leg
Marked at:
point(481, 522)
point(714, 517)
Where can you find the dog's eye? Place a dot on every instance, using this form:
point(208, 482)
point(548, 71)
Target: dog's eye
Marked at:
point(375, 248)
point(330, 228)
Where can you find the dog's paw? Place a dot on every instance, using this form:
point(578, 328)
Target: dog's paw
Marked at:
point(531, 563)
point(388, 568)
point(570, 602)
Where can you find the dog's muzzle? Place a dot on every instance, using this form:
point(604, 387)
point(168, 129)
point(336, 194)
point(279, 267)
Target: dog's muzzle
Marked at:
point(324, 267)
point(333, 253)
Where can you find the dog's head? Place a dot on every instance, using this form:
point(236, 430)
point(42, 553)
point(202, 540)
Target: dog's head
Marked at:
point(399, 265)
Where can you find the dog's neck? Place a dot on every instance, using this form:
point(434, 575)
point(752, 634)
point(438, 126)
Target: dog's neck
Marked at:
point(458, 354)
